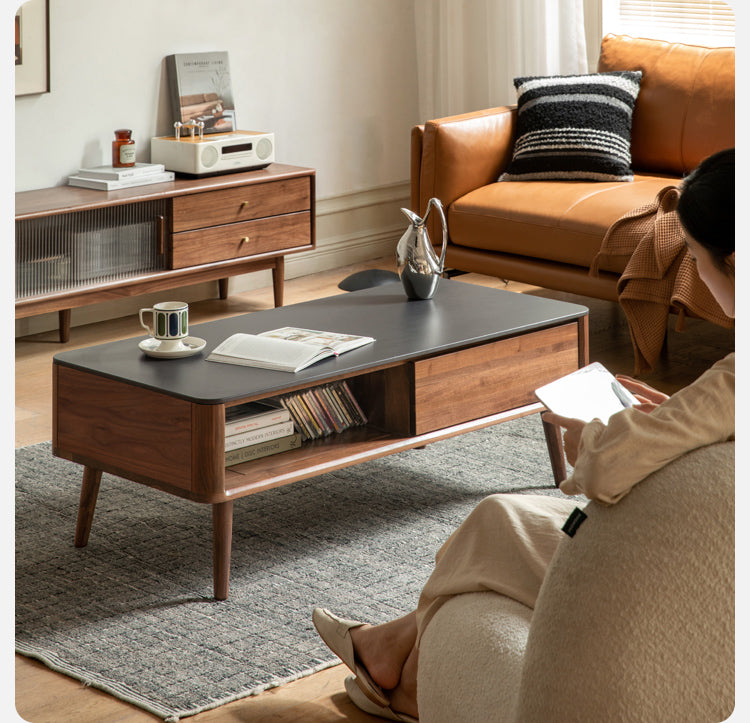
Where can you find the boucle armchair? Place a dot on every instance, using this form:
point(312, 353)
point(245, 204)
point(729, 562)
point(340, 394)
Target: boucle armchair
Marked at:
point(634, 621)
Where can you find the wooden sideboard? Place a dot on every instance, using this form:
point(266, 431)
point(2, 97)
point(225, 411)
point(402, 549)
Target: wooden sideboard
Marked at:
point(76, 246)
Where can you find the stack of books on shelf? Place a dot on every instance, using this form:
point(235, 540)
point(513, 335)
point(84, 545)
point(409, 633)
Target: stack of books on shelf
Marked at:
point(324, 410)
point(109, 178)
point(258, 429)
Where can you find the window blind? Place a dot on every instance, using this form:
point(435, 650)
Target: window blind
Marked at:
point(703, 22)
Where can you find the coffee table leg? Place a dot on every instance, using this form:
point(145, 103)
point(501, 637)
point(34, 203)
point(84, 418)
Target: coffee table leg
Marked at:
point(89, 492)
point(222, 515)
point(553, 435)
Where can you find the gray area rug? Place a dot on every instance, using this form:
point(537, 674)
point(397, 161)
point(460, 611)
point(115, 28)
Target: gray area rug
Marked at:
point(133, 612)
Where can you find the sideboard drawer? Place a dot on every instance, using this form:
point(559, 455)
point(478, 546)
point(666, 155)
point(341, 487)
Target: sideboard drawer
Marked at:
point(201, 210)
point(237, 240)
point(490, 378)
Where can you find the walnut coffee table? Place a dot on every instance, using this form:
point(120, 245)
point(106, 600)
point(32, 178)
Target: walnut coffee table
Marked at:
point(466, 359)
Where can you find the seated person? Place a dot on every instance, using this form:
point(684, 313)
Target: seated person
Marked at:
point(507, 542)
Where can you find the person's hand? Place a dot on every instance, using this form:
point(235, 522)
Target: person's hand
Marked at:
point(648, 397)
point(571, 436)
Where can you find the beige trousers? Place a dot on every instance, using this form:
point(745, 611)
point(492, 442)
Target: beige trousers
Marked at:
point(504, 545)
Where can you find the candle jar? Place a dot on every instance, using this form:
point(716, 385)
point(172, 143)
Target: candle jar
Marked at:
point(123, 149)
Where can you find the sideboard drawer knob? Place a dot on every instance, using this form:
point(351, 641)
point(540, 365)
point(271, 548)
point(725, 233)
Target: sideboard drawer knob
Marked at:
point(244, 204)
point(245, 239)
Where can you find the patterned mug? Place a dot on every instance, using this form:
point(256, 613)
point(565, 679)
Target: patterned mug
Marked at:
point(169, 322)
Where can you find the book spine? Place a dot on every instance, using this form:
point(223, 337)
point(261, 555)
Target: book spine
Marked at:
point(332, 408)
point(348, 392)
point(173, 84)
point(343, 414)
point(262, 449)
point(256, 421)
point(148, 169)
point(347, 404)
point(258, 435)
point(101, 185)
point(310, 414)
point(318, 412)
point(290, 402)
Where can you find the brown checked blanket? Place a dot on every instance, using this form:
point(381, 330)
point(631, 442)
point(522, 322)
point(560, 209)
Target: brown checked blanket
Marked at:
point(660, 275)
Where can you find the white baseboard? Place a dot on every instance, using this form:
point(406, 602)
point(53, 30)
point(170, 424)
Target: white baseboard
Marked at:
point(350, 228)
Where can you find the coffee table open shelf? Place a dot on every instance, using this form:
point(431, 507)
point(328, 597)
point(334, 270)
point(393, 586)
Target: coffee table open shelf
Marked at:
point(467, 359)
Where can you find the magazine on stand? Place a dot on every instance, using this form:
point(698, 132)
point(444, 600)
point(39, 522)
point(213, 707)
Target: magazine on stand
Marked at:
point(200, 90)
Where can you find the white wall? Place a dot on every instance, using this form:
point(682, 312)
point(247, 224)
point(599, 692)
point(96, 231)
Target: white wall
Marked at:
point(335, 80)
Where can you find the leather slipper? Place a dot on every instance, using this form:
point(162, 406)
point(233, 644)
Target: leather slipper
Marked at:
point(335, 632)
point(354, 691)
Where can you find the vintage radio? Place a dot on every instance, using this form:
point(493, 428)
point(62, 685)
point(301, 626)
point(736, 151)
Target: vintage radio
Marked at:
point(213, 153)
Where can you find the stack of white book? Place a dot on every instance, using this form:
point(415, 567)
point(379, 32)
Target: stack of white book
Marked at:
point(258, 429)
point(109, 178)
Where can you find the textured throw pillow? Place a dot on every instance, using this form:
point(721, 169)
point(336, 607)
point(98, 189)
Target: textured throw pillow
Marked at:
point(574, 127)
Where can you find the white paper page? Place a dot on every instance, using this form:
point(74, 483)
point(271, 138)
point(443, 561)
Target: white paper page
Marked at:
point(585, 394)
point(267, 350)
point(340, 343)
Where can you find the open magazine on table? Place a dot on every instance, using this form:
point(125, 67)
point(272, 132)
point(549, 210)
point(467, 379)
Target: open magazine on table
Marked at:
point(286, 349)
point(591, 392)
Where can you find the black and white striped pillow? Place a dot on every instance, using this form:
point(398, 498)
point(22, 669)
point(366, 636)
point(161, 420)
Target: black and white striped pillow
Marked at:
point(574, 127)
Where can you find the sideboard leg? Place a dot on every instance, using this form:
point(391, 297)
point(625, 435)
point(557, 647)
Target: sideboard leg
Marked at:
point(222, 517)
point(278, 282)
point(63, 317)
point(553, 435)
point(223, 288)
point(87, 504)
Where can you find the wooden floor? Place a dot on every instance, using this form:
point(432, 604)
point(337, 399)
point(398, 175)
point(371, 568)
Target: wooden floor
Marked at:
point(43, 696)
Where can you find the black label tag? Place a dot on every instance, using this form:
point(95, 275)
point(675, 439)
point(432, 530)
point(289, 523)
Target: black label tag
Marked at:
point(577, 516)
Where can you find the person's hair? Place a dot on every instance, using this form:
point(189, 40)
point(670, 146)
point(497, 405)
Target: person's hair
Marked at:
point(706, 206)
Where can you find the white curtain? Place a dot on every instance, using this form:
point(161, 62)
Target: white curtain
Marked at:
point(469, 51)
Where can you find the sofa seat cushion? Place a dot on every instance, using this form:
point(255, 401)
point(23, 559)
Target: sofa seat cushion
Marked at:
point(552, 220)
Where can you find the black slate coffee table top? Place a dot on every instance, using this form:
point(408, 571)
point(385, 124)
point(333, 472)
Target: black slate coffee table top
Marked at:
point(459, 315)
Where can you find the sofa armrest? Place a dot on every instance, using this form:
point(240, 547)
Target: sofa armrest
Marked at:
point(454, 155)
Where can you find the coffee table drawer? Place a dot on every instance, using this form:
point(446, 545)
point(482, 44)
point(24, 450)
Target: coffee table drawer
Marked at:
point(200, 210)
point(490, 378)
point(236, 240)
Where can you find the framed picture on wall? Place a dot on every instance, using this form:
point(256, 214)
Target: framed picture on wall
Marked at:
point(32, 47)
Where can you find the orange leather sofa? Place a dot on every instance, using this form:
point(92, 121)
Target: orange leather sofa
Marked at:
point(547, 233)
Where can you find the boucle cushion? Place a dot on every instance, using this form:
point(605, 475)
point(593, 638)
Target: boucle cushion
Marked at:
point(574, 127)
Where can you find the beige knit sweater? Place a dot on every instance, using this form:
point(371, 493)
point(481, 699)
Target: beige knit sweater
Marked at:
point(613, 458)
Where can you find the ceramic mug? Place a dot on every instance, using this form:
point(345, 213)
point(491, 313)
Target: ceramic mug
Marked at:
point(169, 322)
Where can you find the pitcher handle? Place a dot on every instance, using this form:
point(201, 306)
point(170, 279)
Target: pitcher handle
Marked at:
point(437, 203)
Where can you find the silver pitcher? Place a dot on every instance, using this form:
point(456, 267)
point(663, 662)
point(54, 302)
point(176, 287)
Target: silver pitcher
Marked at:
point(419, 267)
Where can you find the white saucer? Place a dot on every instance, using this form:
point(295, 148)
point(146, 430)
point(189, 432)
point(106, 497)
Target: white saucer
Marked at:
point(188, 346)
